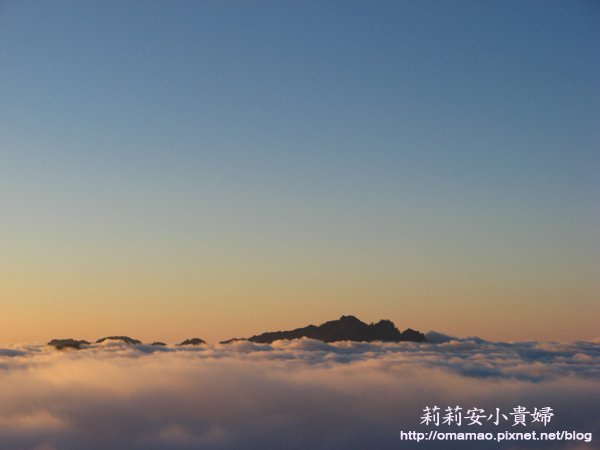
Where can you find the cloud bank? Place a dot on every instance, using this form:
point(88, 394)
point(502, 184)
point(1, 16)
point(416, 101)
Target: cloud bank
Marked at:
point(301, 394)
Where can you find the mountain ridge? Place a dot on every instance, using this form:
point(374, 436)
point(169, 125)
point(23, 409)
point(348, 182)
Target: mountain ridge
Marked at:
point(346, 328)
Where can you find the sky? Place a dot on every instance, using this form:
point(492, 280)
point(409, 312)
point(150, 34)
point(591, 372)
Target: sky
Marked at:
point(219, 169)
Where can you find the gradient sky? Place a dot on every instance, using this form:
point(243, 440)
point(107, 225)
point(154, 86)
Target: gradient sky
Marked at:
point(218, 169)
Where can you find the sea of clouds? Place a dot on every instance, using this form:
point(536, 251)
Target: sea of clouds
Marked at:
point(301, 394)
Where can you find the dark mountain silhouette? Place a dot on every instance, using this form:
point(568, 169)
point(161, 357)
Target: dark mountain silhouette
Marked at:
point(229, 341)
point(193, 341)
point(346, 328)
point(126, 339)
point(61, 344)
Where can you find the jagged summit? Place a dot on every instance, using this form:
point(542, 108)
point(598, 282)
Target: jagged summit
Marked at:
point(346, 328)
point(192, 341)
point(62, 344)
point(125, 339)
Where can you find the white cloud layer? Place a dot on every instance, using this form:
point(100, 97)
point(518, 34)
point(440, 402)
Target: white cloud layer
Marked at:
point(301, 394)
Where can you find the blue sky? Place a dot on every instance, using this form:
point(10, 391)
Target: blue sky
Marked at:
point(442, 154)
